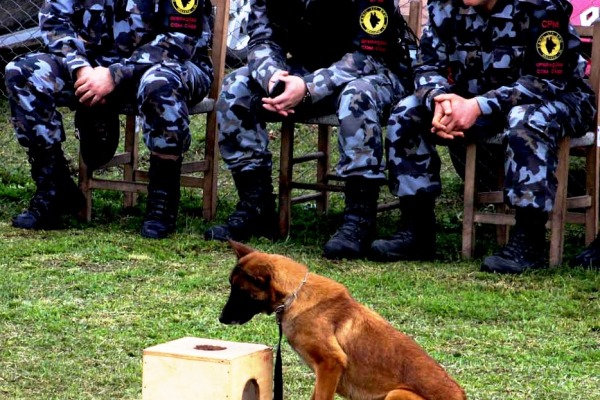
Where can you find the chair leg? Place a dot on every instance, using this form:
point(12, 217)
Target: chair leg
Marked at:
point(468, 233)
point(502, 230)
point(129, 168)
point(558, 215)
point(285, 177)
point(592, 186)
point(209, 190)
point(84, 186)
point(323, 166)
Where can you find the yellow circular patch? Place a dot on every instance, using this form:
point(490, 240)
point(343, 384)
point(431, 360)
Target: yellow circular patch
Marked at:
point(374, 20)
point(185, 6)
point(550, 45)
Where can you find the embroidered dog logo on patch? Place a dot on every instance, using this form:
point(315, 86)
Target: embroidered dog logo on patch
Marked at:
point(550, 45)
point(374, 20)
point(188, 8)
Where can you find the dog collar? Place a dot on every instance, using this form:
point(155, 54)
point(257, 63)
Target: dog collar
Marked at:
point(279, 310)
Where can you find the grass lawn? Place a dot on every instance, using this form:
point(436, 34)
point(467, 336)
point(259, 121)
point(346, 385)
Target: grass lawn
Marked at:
point(79, 305)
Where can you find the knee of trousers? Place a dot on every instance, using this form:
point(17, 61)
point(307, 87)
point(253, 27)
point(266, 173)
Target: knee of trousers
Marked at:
point(537, 122)
point(44, 72)
point(158, 86)
point(23, 66)
point(239, 92)
point(408, 117)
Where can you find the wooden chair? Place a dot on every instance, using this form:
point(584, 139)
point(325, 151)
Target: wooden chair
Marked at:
point(134, 179)
point(582, 209)
point(325, 180)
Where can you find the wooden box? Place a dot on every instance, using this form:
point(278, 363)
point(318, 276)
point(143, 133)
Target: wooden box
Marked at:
point(207, 369)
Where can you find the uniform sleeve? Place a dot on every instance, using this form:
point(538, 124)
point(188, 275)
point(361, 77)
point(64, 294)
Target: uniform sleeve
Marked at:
point(59, 33)
point(169, 48)
point(266, 54)
point(431, 67)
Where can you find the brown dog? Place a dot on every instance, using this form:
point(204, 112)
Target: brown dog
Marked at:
point(352, 350)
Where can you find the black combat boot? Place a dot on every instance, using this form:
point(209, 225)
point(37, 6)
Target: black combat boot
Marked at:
point(590, 257)
point(254, 214)
point(416, 237)
point(56, 193)
point(162, 203)
point(526, 245)
point(353, 239)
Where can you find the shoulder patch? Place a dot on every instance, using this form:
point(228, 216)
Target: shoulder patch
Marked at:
point(375, 35)
point(546, 54)
point(183, 16)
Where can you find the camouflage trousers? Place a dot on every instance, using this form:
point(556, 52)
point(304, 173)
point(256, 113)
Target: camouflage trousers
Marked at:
point(530, 135)
point(39, 83)
point(361, 106)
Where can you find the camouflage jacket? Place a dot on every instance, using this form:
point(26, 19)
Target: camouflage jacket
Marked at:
point(320, 36)
point(128, 36)
point(503, 58)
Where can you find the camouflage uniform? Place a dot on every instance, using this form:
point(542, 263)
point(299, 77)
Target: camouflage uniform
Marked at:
point(156, 50)
point(358, 87)
point(489, 58)
point(354, 58)
point(168, 68)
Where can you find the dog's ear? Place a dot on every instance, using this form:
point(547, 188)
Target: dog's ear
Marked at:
point(240, 249)
point(260, 274)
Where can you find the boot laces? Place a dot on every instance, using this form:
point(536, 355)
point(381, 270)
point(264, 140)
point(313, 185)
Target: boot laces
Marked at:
point(355, 228)
point(243, 214)
point(42, 203)
point(404, 234)
point(521, 247)
point(158, 206)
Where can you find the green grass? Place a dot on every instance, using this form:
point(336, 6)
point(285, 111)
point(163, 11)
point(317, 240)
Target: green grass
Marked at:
point(79, 305)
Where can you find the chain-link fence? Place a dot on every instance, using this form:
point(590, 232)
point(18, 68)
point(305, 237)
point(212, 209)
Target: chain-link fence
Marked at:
point(19, 31)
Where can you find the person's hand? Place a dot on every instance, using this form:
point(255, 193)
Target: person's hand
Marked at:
point(93, 85)
point(455, 119)
point(276, 77)
point(442, 115)
point(284, 104)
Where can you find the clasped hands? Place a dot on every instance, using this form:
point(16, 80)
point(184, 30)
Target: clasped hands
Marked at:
point(295, 89)
point(93, 85)
point(453, 115)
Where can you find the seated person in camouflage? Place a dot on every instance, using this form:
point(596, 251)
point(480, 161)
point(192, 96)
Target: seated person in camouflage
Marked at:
point(96, 54)
point(486, 67)
point(339, 57)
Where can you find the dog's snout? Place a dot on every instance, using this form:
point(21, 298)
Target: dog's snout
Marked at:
point(227, 317)
point(223, 319)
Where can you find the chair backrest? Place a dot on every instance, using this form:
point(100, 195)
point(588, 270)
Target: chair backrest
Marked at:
point(218, 50)
point(219, 44)
point(415, 16)
point(587, 33)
